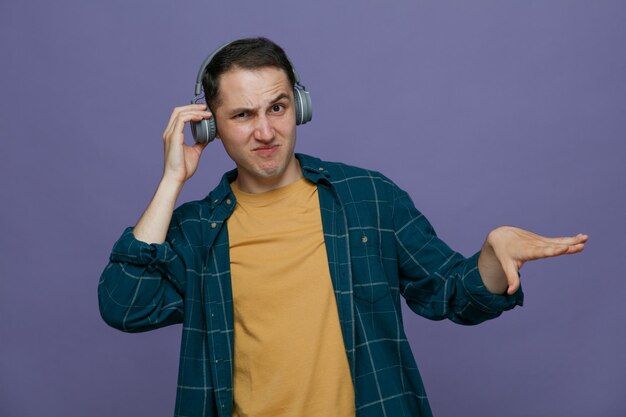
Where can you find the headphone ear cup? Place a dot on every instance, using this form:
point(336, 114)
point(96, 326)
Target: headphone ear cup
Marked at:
point(304, 109)
point(204, 131)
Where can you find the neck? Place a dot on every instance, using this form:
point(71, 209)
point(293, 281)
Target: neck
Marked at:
point(256, 184)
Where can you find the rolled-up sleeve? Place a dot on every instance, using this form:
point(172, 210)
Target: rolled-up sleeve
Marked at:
point(142, 287)
point(437, 282)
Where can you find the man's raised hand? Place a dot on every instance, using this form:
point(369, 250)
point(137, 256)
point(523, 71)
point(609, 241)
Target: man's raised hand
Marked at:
point(181, 160)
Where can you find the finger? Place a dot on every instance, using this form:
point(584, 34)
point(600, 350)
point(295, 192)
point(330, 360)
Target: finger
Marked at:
point(582, 237)
point(575, 249)
point(199, 147)
point(172, 119)
point(568, 249)
point(181, 119)
point(555, 250)
point(177, 111)
point(570, 240)
point(186, 116)
point(512, 278)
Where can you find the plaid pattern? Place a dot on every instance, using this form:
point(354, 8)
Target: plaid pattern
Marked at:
point(379, 247)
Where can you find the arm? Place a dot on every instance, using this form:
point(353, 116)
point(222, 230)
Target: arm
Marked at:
point(437, 282)
point(507, 248)
point(181, 161)
point(142, 287)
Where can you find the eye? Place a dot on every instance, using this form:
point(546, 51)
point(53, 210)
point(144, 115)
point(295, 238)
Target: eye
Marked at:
point(277, 108)
point(240, 115)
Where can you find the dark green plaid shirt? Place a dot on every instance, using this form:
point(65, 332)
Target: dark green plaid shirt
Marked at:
point(379, 247)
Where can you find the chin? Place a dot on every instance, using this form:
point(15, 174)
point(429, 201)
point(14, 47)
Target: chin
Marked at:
point(271, 168)
point(269, 172)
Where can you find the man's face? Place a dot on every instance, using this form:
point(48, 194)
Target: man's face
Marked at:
point(257, 125)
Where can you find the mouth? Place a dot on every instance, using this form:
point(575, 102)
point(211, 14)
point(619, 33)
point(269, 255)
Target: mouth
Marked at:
point(266, 151)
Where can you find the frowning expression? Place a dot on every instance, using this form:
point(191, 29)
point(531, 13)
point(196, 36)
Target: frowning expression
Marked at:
point(257, 125)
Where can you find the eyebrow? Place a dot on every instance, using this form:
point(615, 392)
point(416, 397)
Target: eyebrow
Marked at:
point(279, 97)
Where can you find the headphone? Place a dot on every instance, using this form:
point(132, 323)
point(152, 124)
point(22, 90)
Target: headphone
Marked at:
point(205, 130)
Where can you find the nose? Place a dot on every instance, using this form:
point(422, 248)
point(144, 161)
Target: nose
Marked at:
point(263, 131)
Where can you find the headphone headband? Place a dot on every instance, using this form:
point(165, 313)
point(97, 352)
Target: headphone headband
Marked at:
point(208, 59)
point(205, 63)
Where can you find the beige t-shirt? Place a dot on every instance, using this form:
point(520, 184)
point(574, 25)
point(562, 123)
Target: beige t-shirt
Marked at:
point(290, 358)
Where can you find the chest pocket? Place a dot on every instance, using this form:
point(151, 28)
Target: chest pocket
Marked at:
point(369, 282)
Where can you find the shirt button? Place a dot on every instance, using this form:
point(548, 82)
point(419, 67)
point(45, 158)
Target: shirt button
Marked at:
point(321, 169)
point(364, 239)
point(228, 201)
point(213, 225)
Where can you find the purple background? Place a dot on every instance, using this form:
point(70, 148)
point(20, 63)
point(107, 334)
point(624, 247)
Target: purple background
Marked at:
point(487, 112)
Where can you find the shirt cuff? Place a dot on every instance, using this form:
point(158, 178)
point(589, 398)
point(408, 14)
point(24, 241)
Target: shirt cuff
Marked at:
point(481, 296)
point(130, 250)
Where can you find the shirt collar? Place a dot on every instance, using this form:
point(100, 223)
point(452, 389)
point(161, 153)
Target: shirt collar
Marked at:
point(313, 169)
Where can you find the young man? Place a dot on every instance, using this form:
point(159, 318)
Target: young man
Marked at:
point(288, 276)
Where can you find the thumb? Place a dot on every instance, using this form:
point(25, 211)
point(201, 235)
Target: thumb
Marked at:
point(199, 147)
point(512, 278)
